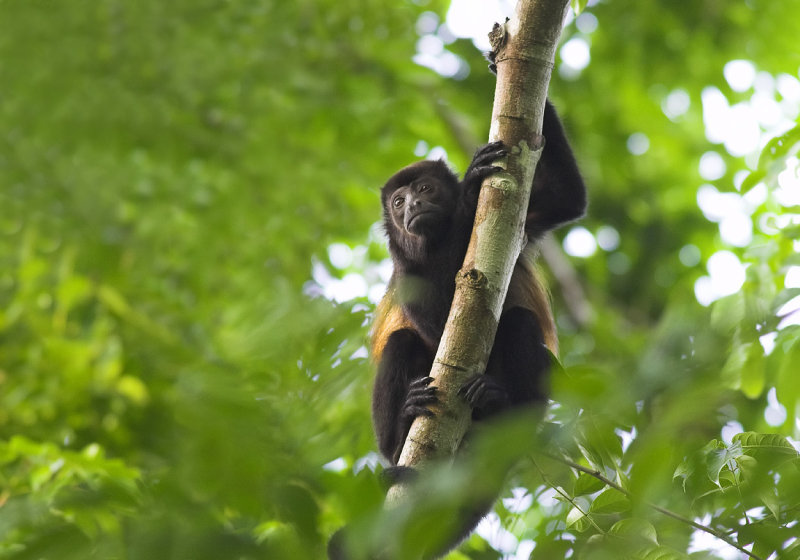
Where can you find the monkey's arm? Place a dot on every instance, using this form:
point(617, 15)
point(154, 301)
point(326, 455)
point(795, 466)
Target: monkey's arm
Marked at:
point(401, 390)
point(558, 194)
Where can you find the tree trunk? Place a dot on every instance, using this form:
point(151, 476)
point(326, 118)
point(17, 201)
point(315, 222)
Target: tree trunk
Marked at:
point(524, 50)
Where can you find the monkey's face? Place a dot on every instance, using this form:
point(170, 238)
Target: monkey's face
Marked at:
point(422, 208)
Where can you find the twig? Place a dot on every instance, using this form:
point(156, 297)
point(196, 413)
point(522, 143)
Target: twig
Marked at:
point(567, 497)
point(699, 526)
point(569, 283)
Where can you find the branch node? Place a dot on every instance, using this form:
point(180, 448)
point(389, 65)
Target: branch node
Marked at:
point(526, 59)
point(451, 365)
point(497, 36)
point(472, 278)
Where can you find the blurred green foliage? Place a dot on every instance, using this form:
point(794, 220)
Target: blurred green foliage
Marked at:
point(171, 386)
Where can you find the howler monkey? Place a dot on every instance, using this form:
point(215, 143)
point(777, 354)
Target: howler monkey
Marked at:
point(428, 216)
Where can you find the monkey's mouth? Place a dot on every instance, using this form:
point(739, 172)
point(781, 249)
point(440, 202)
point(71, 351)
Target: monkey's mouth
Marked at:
point(419, 219)
point(413, 218)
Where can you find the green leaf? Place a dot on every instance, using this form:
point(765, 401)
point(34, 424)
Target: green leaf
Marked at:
point(779, 147)
point(784, 296)
point(772, 501)
point(661, 553)
point(787, 387)
point(760, 291)
point(72, 291)
point(599, 443)
point(718, 457)
point(766, 537)
point(587, 484)
point(765, 447)
point(610, 501)
point(732, 370)
point(754, 178)
point(793, 259)
point(576, 517)
point(683, 471)
point(791, 232)
point(728, 312)
point(578, 5)
point(745, 369)
point(635, 527)
point(753, 372)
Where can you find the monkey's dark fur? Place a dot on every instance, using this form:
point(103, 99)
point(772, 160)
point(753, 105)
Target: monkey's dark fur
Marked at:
point(428, 216)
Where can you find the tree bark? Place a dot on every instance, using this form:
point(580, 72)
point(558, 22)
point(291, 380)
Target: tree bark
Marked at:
point(524, 53)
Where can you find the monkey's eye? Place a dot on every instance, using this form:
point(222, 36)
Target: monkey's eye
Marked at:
point(398, 201)
point(424, 188)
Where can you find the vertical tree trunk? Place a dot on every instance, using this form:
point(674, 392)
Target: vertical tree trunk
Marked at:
point(525, 50)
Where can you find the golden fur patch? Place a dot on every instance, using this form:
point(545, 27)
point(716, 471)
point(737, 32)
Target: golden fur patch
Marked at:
point(526, 290)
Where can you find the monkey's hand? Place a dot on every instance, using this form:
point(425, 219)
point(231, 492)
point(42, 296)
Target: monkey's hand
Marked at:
point(485, 394)
point(481, 165)
point(420, 396)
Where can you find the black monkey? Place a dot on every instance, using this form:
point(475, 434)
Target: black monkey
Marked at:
point(428, 216)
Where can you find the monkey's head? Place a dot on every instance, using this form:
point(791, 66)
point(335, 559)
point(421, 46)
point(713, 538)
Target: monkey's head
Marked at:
point(419, 203)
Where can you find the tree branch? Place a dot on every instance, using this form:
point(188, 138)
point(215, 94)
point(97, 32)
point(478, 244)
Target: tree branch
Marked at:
point(569, 284)
point(525, 49)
